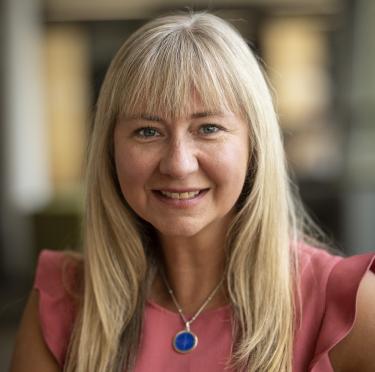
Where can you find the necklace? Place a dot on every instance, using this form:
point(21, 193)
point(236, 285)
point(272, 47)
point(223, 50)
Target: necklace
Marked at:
point(185, 340)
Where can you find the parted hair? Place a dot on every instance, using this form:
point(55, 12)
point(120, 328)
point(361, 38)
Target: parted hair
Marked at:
point(158, 67)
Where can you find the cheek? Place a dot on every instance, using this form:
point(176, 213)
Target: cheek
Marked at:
point(231, 164)
point(133, 170)
point(131, 173)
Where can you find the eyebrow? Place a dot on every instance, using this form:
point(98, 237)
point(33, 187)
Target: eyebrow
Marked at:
point(204, 114)
point(195, 115)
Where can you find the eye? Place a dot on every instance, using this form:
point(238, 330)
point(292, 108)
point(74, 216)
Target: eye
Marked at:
point(147, 132)
point(207, 129)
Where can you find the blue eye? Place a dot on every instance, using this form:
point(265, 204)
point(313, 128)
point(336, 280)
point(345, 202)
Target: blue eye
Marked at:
point(209, 128)
point(147, 132)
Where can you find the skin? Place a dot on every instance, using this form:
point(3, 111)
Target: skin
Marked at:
point(356, 351)
point(202, 151)
point(184, 155)
point(31, 354)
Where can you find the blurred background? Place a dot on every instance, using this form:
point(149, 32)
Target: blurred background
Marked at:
point(320, 58)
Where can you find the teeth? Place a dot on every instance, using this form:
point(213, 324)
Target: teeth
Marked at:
point(183, 195)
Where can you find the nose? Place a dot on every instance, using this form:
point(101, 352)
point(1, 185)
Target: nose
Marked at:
point(179, 159)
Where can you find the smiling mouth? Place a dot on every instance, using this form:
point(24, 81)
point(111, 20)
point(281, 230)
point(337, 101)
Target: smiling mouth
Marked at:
point(180, 195)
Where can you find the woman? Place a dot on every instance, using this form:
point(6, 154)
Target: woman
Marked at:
point(195, 253)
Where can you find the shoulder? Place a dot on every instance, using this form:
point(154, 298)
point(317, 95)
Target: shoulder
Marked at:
point(53, 304)
point(338, 309)
point(31, 352)
point(317, 258)
point(315, 266)
point(356, 351)
point(335, 295)
point(327, 269)
point(58, 271)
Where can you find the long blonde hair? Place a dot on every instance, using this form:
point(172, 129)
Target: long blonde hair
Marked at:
point(157, 68)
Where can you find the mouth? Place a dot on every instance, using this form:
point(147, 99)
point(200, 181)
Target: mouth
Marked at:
point(182, 195)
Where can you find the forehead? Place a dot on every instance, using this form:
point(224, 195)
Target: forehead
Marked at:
point(192, 108)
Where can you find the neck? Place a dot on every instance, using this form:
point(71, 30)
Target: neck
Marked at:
point(193, 267)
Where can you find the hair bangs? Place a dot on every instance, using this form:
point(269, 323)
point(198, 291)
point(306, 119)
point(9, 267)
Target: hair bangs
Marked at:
point(169, 77)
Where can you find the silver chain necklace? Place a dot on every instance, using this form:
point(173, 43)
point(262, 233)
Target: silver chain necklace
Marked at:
point(185, 340)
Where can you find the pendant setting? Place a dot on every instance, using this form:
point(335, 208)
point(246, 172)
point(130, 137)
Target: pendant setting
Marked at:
point(185, 341)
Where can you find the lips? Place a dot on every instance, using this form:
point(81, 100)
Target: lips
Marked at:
point(180, 195)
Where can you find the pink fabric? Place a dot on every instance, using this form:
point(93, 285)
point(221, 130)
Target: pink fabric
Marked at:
point(53, 279)
point(213, 328)
point(328, 289)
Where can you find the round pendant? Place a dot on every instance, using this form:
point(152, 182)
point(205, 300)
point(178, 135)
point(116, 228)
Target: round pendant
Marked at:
point(185, 341)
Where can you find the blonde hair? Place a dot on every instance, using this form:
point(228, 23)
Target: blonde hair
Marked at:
point(157, 68)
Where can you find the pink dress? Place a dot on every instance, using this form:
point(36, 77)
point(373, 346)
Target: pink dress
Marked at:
point(328, 285)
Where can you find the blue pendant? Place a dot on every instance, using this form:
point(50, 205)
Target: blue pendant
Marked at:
point(185, 341)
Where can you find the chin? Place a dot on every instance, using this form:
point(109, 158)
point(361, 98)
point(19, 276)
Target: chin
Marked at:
point(176, 230)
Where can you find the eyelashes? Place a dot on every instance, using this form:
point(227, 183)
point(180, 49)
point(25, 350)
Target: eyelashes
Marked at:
point(147, 132)
point(205, 130)
point(210, 129)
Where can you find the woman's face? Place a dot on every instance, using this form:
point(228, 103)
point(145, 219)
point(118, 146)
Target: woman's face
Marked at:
point(183, 176)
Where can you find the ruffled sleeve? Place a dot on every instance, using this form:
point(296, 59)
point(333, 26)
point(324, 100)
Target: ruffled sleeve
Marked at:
point(340, 306)
point(55, 278)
